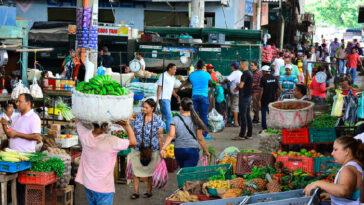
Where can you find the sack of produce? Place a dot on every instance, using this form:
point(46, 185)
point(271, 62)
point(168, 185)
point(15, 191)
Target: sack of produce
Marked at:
point(215, 121)
point(102, 100)
point(19, 89)
point(35, 90)
point(64, 181)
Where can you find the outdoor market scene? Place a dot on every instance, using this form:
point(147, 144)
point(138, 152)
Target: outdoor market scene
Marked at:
point(196, 102)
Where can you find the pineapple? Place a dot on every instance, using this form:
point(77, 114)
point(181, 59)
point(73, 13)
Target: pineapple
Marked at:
point(273, 185)
point(238, 183)
point(261, 184)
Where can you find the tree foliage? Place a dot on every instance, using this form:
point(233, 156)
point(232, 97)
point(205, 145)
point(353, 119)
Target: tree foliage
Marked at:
point(341, 13)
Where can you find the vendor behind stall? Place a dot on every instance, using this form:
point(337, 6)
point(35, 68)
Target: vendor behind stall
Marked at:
point(99, 152)
point(349, 153)
point(71, 65)
point(25, 129)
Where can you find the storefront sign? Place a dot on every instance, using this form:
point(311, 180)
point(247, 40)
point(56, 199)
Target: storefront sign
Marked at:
point(175, 49)
point(113, 31)
point(249, 8)
point(265, 14)
point(151, 47)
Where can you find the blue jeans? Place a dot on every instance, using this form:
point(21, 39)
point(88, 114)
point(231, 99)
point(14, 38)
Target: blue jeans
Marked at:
point(264, 111)
point(352, 73)
point(166, 112)
point(97, 198)
point(341, 66)
point(245, 118)
point(201, 104)
point(186, 157)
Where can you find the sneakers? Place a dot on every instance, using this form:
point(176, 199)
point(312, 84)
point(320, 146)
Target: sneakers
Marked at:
point(208, 137)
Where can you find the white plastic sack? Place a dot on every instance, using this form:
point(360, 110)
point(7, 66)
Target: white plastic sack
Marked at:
point(35, 90)
point(177, 84)
point(19, 89)
point(90, 67)
point(102, 108)
point(33, 73)
point(215, 121)
point(149, 89)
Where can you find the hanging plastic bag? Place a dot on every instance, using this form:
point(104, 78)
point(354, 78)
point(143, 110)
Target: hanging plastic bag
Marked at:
point(204, 161)
point(160, 175)
point(337, 107)
point(19, 89)
point(35, 90)
point(361, 108)
point(215, 121)
point(129, 170)
point(100, 71)
point(351, 107)
point(89, 70)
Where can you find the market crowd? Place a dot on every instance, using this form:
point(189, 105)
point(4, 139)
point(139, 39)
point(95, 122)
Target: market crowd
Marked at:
point(304, 73)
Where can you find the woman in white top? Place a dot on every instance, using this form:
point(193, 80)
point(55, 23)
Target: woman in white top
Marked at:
point(8, 113)
point(349, 153)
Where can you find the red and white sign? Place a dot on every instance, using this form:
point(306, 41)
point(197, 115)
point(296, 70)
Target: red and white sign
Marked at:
point(113, 31)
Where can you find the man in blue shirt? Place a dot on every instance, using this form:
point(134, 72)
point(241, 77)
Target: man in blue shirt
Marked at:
point(200, 80)
point(287, 81)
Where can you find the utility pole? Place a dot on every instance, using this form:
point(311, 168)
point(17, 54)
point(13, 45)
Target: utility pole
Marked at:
point(259, 14)
point(197, 14)
point(282, 24)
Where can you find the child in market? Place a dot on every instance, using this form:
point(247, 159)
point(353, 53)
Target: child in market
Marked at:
point(99, 152)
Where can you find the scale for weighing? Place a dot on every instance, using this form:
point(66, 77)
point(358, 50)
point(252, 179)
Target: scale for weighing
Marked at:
point(321, 77)
point(135, 65)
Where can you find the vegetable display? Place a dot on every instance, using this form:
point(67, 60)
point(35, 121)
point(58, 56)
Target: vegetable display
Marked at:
point(273, 131)
point(120, 133)
point(65, 110)
point(16, 156)
point(324, 121)
point(101, 85)
point(51, 164)
point(303, 153)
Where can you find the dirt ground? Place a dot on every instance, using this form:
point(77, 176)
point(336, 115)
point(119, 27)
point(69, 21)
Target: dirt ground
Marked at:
point(220, 141)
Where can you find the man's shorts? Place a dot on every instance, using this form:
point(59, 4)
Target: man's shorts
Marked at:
point(234, 103)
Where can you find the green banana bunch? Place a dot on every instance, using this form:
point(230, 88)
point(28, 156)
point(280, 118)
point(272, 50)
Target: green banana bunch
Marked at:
point(101, 85)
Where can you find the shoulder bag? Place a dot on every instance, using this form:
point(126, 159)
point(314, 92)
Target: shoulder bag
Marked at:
point(188, 129)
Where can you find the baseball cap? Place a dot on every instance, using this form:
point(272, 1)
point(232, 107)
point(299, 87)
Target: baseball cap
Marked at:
point(288, 66)
point(235, 64)
point(265, 68)
point(209, 66)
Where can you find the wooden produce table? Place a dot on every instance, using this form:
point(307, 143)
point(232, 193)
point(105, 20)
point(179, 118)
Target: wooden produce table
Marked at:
point(4, 179)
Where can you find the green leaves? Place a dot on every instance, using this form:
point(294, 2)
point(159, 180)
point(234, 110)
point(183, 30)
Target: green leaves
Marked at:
point(51, 164)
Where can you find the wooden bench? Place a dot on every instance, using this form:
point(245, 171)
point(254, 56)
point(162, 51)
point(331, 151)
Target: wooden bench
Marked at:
point(65, 195)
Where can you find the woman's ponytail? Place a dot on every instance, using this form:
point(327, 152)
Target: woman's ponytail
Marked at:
point(187, 105)
point(355, 145)
point(359, 155)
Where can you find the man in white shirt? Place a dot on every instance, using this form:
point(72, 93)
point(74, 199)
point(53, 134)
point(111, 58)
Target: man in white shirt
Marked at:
point(277, 64)
point(234, 78)
point(141, 61)
point(165, 92)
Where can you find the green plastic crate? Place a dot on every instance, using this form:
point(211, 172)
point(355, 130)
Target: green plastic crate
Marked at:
point(322, 134)
point(322, 164)
point(202, 173)
point(125, 152)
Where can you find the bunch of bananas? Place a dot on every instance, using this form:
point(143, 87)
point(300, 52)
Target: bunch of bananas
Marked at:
point(170, 151)
point(218, 184)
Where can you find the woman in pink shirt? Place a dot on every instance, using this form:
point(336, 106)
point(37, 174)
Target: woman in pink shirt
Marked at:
point(318, 90)
point(99, 152)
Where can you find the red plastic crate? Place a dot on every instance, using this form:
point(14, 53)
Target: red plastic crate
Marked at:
point(75, 155)
point(37, 178)
point(294, 163)
point(295, 136)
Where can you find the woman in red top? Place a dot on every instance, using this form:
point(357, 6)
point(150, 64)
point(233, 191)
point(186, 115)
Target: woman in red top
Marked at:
point(345, 86)
point(353, 61)
point(318, 90)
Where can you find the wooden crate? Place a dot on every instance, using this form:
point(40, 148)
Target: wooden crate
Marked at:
point(65, 195)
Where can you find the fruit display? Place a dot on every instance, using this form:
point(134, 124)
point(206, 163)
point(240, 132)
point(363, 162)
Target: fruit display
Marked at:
point(101, 85)
point(65, 136)
point(260, 183)
point(324, 121)
point(170, 151)
point(120, 133)
point(238, 183)
point(216, 184)
point(229, 160)
point(303, 153)
point(232, 193)
point(273, 185)
point(273, 131)
point(184, 196)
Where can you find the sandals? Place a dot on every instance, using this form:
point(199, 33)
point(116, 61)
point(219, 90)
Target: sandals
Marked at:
point(239, 138)
point(147, 195)
point(134, 196)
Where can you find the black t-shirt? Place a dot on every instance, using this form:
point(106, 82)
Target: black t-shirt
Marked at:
point(269, 83)
point(247, 78)
point(106, 60)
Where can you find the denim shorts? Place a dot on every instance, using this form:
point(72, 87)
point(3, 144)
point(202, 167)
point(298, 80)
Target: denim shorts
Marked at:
point(97, 198)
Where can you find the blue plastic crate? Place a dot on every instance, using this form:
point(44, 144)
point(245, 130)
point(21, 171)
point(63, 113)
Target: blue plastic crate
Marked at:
point(13, 167)
point(275, 196)
point(230, 201)
point(295, 201)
